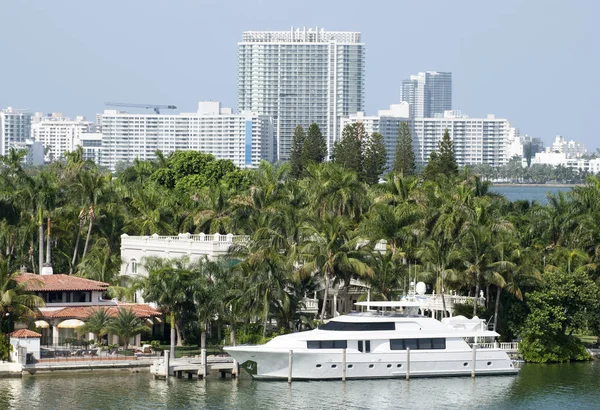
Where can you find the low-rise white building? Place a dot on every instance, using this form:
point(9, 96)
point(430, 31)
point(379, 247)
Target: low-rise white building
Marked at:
point(563, 159)
point(134, 249)
point(245, 138)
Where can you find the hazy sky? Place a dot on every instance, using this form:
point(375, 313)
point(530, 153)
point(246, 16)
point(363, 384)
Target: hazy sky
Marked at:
point(533, 62)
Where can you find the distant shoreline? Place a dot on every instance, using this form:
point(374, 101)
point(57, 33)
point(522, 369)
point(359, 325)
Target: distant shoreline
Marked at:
point(537, 185)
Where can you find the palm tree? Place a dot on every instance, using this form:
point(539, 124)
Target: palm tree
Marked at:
point(16, 303)
point(334, 189)
point(97, 323)
point(326, 249)
point(168, 284)
point(214, 211)
point(437, 257)
point(265, 268)
point(126, 325)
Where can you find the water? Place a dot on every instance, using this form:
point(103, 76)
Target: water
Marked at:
point(529, 193)
point(572, 386)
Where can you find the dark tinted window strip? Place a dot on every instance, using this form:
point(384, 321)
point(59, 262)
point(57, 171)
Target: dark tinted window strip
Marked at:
point(360, 327)
point(326, 344)
point(418, 344)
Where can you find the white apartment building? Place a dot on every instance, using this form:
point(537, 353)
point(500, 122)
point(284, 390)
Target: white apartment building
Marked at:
point(15, 129)
point(299, 77)
point(91, 144)
point(429, 93)
point(245, 138)
point(476, 140)
point(386, 123)
point(58, 134)
point(571, 148)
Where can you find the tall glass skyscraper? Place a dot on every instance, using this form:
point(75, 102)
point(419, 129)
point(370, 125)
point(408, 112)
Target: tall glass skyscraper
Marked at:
point(299, 77)
point(429, 93)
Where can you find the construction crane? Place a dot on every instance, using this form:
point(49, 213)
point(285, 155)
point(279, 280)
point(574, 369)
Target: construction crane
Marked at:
point(155, 107)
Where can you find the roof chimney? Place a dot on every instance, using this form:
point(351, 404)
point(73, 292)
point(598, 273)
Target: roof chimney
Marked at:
point(47, 269)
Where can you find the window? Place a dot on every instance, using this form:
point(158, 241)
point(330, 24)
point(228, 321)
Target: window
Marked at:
point(418, 344)
point(326, 344)
point(133, 266)
point(356, 326)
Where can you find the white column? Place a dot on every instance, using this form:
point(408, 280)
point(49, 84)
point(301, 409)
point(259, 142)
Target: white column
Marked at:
point(54, 333)
point(334, 305)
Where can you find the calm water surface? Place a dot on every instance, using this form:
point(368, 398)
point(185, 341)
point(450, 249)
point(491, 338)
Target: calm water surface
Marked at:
point(529, 193)
point(563, 386)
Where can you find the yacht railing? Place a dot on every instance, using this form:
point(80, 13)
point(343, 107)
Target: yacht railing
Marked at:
point(509, 347)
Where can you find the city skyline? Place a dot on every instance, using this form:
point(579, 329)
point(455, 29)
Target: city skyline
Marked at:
point(508, 63)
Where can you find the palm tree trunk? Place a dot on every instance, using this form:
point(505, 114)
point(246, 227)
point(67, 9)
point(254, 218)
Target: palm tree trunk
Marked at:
point(203, 336)
point(325, 297)
point(179, 338)
point(233, 336)
point(48, 256)
point(476, 298)
point(76, 245)
point(172, 336)
point(87, 238)
point(442, 293)
point(498, 293)
point(40, 247)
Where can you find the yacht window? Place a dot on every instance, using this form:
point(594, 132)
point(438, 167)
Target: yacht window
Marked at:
point(411, 343)
point(424, 343)
point(367, 346)
point(358, 326)
point(360, 346)
point(418, 344)
point(438, 343)
point(326, 344)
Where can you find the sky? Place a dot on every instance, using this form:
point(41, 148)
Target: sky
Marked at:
point(533, 62)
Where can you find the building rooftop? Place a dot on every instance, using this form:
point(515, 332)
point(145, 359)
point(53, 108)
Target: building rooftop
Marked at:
point(83, 312)
point(58, 282)
point(24, 334)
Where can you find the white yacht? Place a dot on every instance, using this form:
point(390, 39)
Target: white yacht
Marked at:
point(386, 343)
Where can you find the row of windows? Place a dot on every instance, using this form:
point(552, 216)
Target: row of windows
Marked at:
point(395, 344)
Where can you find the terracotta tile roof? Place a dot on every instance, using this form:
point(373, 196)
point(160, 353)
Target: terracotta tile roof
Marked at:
point(52, 283)
point(83, 312)
point(25, 333)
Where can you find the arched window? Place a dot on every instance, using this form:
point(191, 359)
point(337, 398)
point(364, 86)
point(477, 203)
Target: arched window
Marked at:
point(133, 263)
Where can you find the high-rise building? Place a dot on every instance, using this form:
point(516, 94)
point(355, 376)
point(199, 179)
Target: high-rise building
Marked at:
point(476, 140)
point(58, 134)
point(386, 123)
point(299, 77)
point(429, 93)
point(15, 129)
point(245, 138)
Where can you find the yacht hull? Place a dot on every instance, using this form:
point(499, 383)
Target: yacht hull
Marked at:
point(327, 364)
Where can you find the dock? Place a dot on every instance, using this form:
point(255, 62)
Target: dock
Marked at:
point(198, 367)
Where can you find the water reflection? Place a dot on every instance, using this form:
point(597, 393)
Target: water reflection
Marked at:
point(558, 386)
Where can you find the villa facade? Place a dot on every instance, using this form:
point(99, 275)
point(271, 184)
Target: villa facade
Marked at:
point(70, 300)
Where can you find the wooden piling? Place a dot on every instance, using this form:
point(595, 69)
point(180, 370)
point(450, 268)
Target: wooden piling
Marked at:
point(344, 367)
point(408, 363)
point(474, 360)
point(204, 361)
point(290, 363)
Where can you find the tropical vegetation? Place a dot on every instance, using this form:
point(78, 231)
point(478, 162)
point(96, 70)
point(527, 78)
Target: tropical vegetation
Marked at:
point(311, 223)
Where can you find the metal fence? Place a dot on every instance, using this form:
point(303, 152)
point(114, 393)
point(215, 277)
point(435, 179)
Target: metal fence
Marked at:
point(70, 353)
